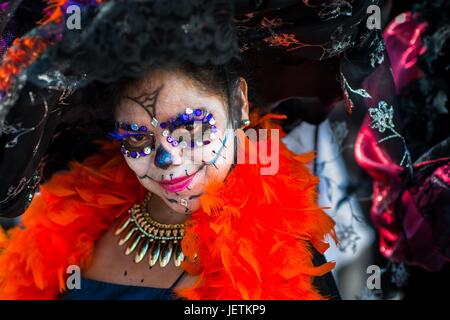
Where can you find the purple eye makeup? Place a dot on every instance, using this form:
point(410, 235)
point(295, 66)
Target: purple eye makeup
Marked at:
point(190, 120)
point(139, 141)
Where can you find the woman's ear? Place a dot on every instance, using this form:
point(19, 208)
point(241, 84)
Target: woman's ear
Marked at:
point(243, 97)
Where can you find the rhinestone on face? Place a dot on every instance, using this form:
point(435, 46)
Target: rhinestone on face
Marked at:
point(165, 133)
point(185, 117)
point(174, 143)
point(163, 125)
point(199, 143)
point(170, 139)
point(188, 111)
point(212, 121)
point(143, 129)
point(184, 202)
point(198, 112)
point(212, 136)
point(147, 150)
point(154, 122)
point(134, 127)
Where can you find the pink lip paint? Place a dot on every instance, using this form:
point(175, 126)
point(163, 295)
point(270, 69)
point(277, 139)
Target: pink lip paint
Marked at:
point(177, 184)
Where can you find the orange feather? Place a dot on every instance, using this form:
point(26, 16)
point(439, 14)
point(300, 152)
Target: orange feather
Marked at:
point(250, 239)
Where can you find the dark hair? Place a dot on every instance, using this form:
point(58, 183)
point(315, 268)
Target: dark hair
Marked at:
point(222, 80)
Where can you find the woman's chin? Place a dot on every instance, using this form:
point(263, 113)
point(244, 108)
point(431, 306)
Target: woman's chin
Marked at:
point(193, 205)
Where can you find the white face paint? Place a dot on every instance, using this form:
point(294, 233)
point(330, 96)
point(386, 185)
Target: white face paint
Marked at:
point(183, 181)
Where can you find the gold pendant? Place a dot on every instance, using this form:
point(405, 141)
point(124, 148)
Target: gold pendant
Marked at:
point(143, 236)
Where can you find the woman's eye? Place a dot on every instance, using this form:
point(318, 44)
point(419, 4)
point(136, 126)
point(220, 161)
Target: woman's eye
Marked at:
point(194, 126)
point(188, 128)
point(137, 138)
point(189, 131)
point(140, 141)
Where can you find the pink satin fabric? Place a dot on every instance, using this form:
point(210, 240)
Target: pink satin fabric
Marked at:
point(406, 234)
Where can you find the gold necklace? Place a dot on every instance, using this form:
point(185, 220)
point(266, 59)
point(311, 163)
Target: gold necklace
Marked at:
point(145, 235)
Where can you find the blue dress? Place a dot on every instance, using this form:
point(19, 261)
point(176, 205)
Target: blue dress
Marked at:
point(98, 290)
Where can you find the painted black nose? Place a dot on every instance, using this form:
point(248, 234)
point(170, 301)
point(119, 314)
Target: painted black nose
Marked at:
point(163, 159)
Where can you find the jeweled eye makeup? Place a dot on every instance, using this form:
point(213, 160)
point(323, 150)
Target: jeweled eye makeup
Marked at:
point(191, 120)
point(138, 141)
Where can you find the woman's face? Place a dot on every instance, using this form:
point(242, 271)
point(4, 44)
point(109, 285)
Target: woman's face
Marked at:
point(174, 136)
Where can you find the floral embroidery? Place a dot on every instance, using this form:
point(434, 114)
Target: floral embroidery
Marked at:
point(382, 117)
point(339, 42)
point(377, 56)
point(360, 92)
point(271, 23)
point(340, 131)
point(284, 39)
point(348, 238)
point(382, 120)
point(333, 9)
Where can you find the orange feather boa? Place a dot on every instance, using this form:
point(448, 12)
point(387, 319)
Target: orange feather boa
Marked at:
point(252, 235)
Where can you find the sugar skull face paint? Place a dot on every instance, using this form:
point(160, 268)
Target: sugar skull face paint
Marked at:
point(172, 132)
point(190, 120)
point(137, 141)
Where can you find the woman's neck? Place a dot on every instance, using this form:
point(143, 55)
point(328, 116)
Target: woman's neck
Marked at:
point(160, 212)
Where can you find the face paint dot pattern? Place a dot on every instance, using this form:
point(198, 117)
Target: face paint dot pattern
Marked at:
point(191, 118)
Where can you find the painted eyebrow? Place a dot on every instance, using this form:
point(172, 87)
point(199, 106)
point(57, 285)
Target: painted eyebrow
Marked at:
point(148, 101)
point(177, 114)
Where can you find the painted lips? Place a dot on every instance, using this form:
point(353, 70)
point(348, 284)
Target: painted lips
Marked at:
point(176, 184)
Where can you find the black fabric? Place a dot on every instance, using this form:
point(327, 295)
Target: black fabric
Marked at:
point(20, 168)
point(425, 101)
point(326, 283)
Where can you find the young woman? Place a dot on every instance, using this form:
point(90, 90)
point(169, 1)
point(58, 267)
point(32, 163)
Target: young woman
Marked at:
point(172, 206)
